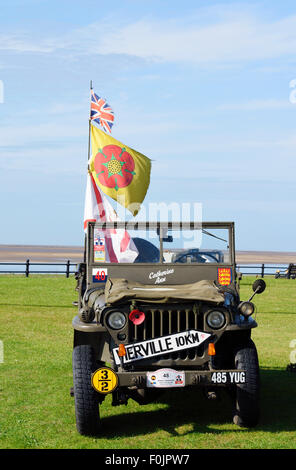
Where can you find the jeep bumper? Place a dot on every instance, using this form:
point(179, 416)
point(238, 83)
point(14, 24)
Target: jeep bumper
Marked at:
point(191, 378)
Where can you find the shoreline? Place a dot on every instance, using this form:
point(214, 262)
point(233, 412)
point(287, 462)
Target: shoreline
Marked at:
point(55, 254)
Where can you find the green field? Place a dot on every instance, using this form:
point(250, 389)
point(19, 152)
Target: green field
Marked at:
point(36, 410)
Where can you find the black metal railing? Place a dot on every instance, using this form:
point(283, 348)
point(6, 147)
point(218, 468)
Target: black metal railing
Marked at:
point(260, 269)
point(27, 265)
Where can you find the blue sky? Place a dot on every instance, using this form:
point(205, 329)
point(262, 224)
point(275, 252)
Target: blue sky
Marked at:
point(203, 88)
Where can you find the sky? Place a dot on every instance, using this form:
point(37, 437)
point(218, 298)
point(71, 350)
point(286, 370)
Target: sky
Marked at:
point(205, 89)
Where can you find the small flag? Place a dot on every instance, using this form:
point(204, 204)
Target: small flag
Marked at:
point(119, 246)
point(101, 112)
point(121, 172)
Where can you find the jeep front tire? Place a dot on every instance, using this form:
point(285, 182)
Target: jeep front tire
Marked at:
point(246, 400)
point(86, 398)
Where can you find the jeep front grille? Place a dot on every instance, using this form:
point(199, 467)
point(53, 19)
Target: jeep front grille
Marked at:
point(160, 322)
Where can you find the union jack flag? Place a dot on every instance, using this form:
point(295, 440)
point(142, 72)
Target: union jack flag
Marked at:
point(101, 112)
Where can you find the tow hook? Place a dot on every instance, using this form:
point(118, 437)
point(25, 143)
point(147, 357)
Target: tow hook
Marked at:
point(211, 394)
point(119, 398)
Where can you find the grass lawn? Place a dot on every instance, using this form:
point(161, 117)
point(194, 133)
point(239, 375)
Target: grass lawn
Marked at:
point(36, 410)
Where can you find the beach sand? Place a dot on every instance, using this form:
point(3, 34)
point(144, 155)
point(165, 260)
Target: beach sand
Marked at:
point(56, 254)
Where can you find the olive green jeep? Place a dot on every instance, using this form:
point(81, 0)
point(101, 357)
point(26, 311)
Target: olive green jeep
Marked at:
point(160, 311)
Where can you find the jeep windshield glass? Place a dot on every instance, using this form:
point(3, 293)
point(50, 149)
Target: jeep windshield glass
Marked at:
point(196, 246)
point(126, 246)
point(154, 244)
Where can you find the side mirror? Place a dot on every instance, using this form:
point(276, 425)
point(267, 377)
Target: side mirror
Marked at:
point(259, 286)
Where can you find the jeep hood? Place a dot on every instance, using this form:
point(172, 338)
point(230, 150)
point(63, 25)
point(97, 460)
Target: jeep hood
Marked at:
point(122, 290)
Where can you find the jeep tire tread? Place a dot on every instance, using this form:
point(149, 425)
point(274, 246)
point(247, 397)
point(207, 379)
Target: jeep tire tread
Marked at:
point(246, 401)
point(86, 398)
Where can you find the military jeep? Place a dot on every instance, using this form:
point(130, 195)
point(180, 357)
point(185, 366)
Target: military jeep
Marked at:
point(167, 315)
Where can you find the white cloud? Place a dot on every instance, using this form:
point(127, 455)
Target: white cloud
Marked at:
point(20, 43)
point(207, 37)
point(257, 105)
point(53, 147)
point(61, 159)
point(11, 136)
point(231, 39)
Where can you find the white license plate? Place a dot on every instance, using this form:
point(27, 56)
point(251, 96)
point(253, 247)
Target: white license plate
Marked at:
point(162, 345)
point(165, 378)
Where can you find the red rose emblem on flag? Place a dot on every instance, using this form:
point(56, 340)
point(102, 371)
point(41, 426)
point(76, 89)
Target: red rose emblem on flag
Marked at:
point(114, 167)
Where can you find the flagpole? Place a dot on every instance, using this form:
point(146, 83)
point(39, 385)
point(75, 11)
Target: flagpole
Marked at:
point(88, 155)
point(89, 124)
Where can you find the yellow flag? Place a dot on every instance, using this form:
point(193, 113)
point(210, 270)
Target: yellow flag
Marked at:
point(121, 172)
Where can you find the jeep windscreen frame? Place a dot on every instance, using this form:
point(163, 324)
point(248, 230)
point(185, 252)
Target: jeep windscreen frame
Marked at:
point(174, 273)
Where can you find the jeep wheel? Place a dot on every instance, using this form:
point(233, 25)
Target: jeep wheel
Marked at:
point(246, 406)
point(86, 398)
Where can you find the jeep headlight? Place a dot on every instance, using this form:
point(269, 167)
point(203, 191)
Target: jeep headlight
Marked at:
point(116, 320)
point(246, 308)
point(215, 319)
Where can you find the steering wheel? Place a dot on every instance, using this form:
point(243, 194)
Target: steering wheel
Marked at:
point(195, 257)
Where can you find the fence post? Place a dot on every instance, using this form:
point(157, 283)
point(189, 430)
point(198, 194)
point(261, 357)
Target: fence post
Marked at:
point(68, 268)
point(27, 267)
point(262, 270)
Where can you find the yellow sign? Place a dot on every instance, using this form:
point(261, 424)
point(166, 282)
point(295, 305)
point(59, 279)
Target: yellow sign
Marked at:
point(104, 380)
